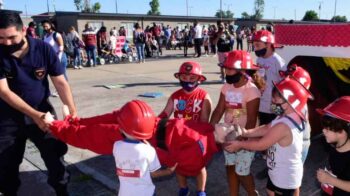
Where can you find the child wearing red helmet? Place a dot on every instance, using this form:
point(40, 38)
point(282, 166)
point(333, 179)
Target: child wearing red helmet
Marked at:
point(270, 64)
point(303, 77)
point(136, 160)
point(336, 128)
point(282, 137)
point(190, 103)
point(239, 101)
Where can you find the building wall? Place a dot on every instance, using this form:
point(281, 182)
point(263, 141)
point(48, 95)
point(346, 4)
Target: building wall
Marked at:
point(65, 22)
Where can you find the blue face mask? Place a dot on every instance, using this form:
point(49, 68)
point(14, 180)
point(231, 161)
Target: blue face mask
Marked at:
point(188, 86)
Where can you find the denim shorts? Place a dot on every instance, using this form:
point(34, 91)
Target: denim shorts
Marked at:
point(241, 159)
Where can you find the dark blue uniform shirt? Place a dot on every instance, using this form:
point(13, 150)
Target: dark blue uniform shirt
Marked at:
point(28, 77)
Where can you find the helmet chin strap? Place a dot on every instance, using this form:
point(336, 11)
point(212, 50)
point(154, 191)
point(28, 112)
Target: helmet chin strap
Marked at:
point(346, 141)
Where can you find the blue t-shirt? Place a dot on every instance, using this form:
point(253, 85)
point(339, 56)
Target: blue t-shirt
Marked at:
point(28, 76)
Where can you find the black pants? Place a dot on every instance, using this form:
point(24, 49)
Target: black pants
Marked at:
point(197, 45)
point(159, 44)
point(213, 48)
point(13, 136)
point(239, 44)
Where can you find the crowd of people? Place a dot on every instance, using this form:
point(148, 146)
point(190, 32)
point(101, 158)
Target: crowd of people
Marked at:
point(96, 46)
point(266, 92)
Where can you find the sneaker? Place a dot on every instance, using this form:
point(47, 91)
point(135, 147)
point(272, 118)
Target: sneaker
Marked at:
point(80, 67)
point(201, 193)
point(143, 61)
point(76, 67)
point(184, 192)
point(214, 55)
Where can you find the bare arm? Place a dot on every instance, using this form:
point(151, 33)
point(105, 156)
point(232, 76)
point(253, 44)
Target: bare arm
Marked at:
point(17, 103)
point(252, 113)
point(65, 93)
point(206, 109)
point(219, 110)
point(325, 177)
point(169, 108)
point(276, 134)
point(163, 172)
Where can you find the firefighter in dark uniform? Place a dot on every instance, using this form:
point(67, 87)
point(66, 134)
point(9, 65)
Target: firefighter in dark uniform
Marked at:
point(25, 64)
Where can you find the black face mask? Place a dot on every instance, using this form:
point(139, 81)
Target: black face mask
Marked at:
point(188, 86)
point(10, 49)
point(233, 78)
point(261, 52)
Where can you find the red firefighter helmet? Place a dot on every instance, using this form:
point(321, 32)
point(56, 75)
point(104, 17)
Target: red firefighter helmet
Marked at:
point(264, 36)
point(191, 67)
point(294, 93)
point(239, 59)
point(338, 108)
point(137, 119)
point(299, 74)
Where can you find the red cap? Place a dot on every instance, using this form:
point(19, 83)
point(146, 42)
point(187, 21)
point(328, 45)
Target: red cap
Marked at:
point(339, 108)
point(239, 59)
point(137, 119)
point(191, 67)
point(294, 93)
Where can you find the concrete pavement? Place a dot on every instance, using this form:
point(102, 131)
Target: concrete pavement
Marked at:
point(93, 174)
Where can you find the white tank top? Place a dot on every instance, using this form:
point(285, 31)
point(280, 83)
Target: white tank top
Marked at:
point(284, 163)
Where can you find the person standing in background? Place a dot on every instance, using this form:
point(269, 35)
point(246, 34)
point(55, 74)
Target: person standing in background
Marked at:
point(90, 41)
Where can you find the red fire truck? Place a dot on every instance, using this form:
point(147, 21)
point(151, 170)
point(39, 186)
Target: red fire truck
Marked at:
point(324, 51)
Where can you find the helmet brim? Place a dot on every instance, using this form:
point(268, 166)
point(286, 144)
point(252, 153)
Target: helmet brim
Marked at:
point(201, 77)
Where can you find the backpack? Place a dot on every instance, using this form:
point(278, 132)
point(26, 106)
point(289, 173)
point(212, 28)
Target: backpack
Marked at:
point(68, 44)
point(141, 38)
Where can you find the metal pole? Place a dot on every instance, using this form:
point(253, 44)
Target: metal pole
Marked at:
point(295, 14)
point(116, 6)
point(25, 6)
point(319, 9)
point(48, 7)
point(220, 10)
point(335, 10)
point(187, 8)
point(274, 12)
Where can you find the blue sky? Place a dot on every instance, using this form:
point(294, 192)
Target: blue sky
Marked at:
point(273, 8)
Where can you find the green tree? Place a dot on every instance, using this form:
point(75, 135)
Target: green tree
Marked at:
point(258, 9)
point(78, 4)
point(229, 14)
point(310, 15)
point(339, 19)
point(154, 4)
point(96, 7)
point(224, 14)
point(245, 15)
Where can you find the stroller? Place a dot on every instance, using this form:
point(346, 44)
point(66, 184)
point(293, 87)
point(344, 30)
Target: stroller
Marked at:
point(128, 53)
point(107, 56)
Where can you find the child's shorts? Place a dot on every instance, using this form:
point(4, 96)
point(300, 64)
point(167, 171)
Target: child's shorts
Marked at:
point(279, 191)
point(241, 159)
